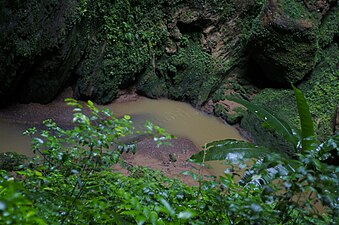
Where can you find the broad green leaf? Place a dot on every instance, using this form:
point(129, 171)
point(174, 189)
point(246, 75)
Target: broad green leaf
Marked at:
point(279, 125)
point(228, 149)
point(308, 141)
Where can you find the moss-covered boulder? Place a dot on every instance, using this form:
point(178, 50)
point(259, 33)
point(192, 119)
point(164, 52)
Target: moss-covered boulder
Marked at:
point(285, 41)
point(190, 74)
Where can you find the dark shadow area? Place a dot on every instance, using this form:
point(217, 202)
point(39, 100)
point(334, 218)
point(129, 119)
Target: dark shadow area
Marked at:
point(188, 28)
point(336, 39)
point(256, 76)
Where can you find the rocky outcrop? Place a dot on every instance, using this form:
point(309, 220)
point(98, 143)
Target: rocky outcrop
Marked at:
point(285, 41)
point(204, 43)
point(39, 49)
point(184, 50)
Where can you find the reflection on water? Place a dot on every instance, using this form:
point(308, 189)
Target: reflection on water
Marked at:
point(12, 139)
point(179, 119)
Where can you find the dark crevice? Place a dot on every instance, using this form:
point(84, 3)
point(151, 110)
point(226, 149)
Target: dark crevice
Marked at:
point(256, 76)
point(188, 28)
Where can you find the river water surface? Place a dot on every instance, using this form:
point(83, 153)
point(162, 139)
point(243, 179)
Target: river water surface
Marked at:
point(178, 118)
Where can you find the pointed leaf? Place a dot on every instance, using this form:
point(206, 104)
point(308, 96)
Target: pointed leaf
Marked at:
point(308, 141)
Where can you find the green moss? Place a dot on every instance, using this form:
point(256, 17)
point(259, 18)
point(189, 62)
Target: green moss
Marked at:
point(321, 90)
point(296, 10)
point(329, 27)
point(152, 85)
point(128, 38)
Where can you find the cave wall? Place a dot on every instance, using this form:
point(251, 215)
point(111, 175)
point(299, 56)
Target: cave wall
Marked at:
point(186, 50)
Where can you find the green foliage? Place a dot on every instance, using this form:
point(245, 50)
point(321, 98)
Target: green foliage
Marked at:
point(15, 208)
point(308, 135)
point(68, 161)
point(294, 185)
point(306, 140)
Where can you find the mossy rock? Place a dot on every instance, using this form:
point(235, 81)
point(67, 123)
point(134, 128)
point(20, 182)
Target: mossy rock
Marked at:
point(189, 75)
point(321, 90)
point(285, 41)
point(231, 118)
point(151, 85)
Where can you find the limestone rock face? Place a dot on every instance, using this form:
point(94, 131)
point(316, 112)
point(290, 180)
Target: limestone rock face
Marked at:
point(205, 42)
point(39, 49)
point(183, 50)
point(285, 40)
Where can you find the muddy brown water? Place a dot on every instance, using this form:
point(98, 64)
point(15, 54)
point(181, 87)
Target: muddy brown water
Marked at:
point(178, 118)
